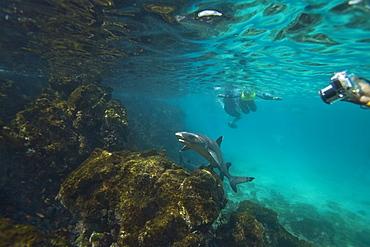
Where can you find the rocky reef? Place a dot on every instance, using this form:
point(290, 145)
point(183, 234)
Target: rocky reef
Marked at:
point(141, 199)
point(12, 234)
point(63, 136)
point(48, 139)
point(254, 225)
point(75, 147)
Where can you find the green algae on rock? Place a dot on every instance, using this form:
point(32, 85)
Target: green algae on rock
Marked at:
point(254, 225)
point(12, 234)
point(49, 139)
point(142, 199)
point(63, 133)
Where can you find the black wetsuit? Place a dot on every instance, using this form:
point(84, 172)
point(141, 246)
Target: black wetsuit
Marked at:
point(230, 106)
point(233, 101)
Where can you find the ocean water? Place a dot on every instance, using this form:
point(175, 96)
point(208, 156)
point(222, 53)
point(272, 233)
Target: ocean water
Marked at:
point(310, 160)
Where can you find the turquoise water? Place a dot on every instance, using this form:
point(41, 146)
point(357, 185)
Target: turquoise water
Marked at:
point(302, 152)
point(310, 160)
point(289, 47)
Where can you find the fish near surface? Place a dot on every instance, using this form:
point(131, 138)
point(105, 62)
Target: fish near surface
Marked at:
point(211, 151)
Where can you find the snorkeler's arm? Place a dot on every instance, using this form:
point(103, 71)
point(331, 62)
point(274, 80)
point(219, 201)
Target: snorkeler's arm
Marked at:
point(268, 96)
point(364, 98)
point(228, 96)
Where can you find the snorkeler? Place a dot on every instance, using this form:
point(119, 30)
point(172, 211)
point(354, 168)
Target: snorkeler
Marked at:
point(347, 87)
point(244, 101)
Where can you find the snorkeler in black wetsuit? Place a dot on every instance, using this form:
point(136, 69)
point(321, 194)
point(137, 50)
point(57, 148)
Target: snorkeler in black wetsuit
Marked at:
point(245, 102)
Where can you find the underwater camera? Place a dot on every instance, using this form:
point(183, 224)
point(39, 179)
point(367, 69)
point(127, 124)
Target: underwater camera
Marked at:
point(342, 87)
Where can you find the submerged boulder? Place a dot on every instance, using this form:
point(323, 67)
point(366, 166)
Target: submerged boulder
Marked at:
point(12, 234)
point(142, 199)
point(47, 140)
point(254, 225)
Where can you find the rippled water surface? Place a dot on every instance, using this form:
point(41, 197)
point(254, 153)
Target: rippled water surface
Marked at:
point(291, 47)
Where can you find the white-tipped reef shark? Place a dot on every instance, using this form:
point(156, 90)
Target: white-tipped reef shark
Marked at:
point(211, 151)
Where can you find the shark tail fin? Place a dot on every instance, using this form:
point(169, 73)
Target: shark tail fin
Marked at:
point(238, 180)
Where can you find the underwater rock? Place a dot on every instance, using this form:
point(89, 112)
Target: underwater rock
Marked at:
point(9, 91)
point(142, 199)
point(99, 121)
point(49, 139)
point(12, 234)
point(319, 232)
point(89, 96)
point(254, 225)
point(20, 235)
point(60, 134)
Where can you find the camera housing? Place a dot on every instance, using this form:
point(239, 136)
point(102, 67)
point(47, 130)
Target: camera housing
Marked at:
point(342, 87)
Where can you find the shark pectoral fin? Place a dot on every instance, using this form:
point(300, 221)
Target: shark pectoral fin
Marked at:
point(211, 166)
point(228, 164)
point(214, 157)
point(219, 140)
point(184, 148)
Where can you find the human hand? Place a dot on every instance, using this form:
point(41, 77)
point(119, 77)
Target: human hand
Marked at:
point(364, 97)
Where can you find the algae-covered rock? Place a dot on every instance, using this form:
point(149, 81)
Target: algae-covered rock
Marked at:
point(12, 234)
point(89, 96)
point(20, 235)
point(319, 231)
point(49, 139)
point(9, 91)
point(246, 230)
point(254, 225)
point(143, 199)
point(100, 121)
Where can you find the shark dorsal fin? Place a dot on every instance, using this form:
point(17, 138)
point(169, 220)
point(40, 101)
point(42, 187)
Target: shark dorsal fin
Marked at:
point(228, 164)
point(219, 140)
